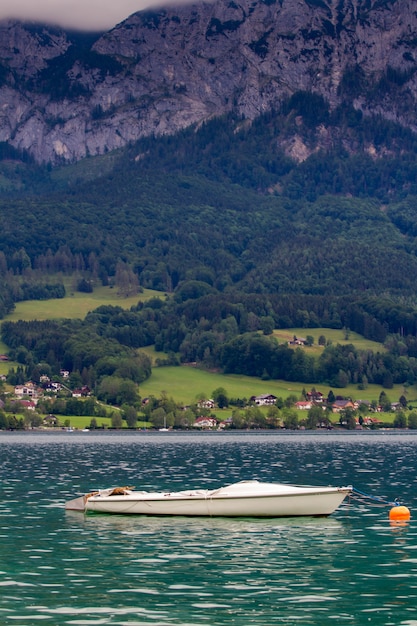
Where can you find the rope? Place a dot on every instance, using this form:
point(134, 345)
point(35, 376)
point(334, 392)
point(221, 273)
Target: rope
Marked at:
point(365, 498)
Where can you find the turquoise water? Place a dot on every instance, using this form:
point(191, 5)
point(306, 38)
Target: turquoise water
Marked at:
point(59, 567)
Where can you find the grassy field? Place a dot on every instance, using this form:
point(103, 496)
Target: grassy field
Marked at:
point(184, 384)
point(334, 335)
point(76, 305)
point(152, 354)
point(79, 422)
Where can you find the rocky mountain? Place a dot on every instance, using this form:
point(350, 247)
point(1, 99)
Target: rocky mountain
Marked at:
point(65, 95)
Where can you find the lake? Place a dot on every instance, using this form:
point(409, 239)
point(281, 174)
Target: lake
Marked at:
point(59, 567)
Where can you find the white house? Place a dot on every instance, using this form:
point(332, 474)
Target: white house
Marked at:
point(303, 405)
point(264, 399)
point(26, 391)
point(206, 404)
point(205, 422)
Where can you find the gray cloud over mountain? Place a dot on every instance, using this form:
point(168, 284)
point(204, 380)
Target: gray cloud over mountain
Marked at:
point(83, 14)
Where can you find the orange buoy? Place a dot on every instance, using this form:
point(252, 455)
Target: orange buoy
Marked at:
point(399, 514)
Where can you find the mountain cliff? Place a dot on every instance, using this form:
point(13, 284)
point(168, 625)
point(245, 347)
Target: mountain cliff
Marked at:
point(64, 96)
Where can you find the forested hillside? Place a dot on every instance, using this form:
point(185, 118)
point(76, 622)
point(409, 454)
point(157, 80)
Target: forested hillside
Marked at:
point(222, 204)
point(241, 239)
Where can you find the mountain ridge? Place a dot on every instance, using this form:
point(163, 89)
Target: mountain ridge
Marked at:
point(66, 97)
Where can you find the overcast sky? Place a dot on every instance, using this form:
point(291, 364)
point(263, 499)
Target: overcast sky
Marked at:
point(85, 14)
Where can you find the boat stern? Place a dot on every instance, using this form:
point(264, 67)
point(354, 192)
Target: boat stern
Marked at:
point(77, 504)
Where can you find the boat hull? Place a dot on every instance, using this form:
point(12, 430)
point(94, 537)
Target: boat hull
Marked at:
point(246, 499)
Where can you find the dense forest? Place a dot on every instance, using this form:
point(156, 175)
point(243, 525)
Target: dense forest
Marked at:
point(223, 204)
point(238, 238)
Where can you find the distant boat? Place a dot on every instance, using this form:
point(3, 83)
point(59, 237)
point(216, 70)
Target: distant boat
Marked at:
point(248, 498)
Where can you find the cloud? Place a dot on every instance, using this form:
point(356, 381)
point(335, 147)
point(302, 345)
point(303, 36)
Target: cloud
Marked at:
point(80, 14)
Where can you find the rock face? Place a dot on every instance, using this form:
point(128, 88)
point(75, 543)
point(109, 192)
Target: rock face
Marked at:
point(64, 96)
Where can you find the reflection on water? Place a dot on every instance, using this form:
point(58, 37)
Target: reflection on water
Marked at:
point(62, 567)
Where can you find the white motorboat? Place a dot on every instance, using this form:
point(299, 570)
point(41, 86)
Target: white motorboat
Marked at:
point(248, 498)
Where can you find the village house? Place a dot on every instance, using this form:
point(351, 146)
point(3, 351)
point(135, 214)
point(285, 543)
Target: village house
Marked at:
point(81, 393)
point(227, 423)
point(28, 390)
point(205, 423)
point(342, 405)
point(51, 387)
point(396, 406)
point(264, 399)
point(51, 420)
point(371, 421)
point(27, 404)
point(206, 404)
point(315, 396)
point(303, 405)
point(297, 341)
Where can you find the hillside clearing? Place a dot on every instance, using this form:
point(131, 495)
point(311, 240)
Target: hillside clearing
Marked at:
point(332, 335)
point(76, 305)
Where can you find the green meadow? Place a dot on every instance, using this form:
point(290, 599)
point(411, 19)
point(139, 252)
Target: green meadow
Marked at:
point(334, 336)
point(76, 305)
point(184, 384)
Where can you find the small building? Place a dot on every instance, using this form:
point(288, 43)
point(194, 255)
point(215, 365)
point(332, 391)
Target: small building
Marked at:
point(27, 404)
point(81, 393)
point(297, 341)
point(206, 404)
point(303, 405)
point(29, 390)
point(342, 405)
point(371, 421)
point(205, 423)
point(396, 406)
point(265, 399)
point(51, 420)
point(227, 423)
point(315, 396)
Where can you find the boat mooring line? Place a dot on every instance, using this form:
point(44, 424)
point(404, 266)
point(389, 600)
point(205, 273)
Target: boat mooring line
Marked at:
point(366, 498)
